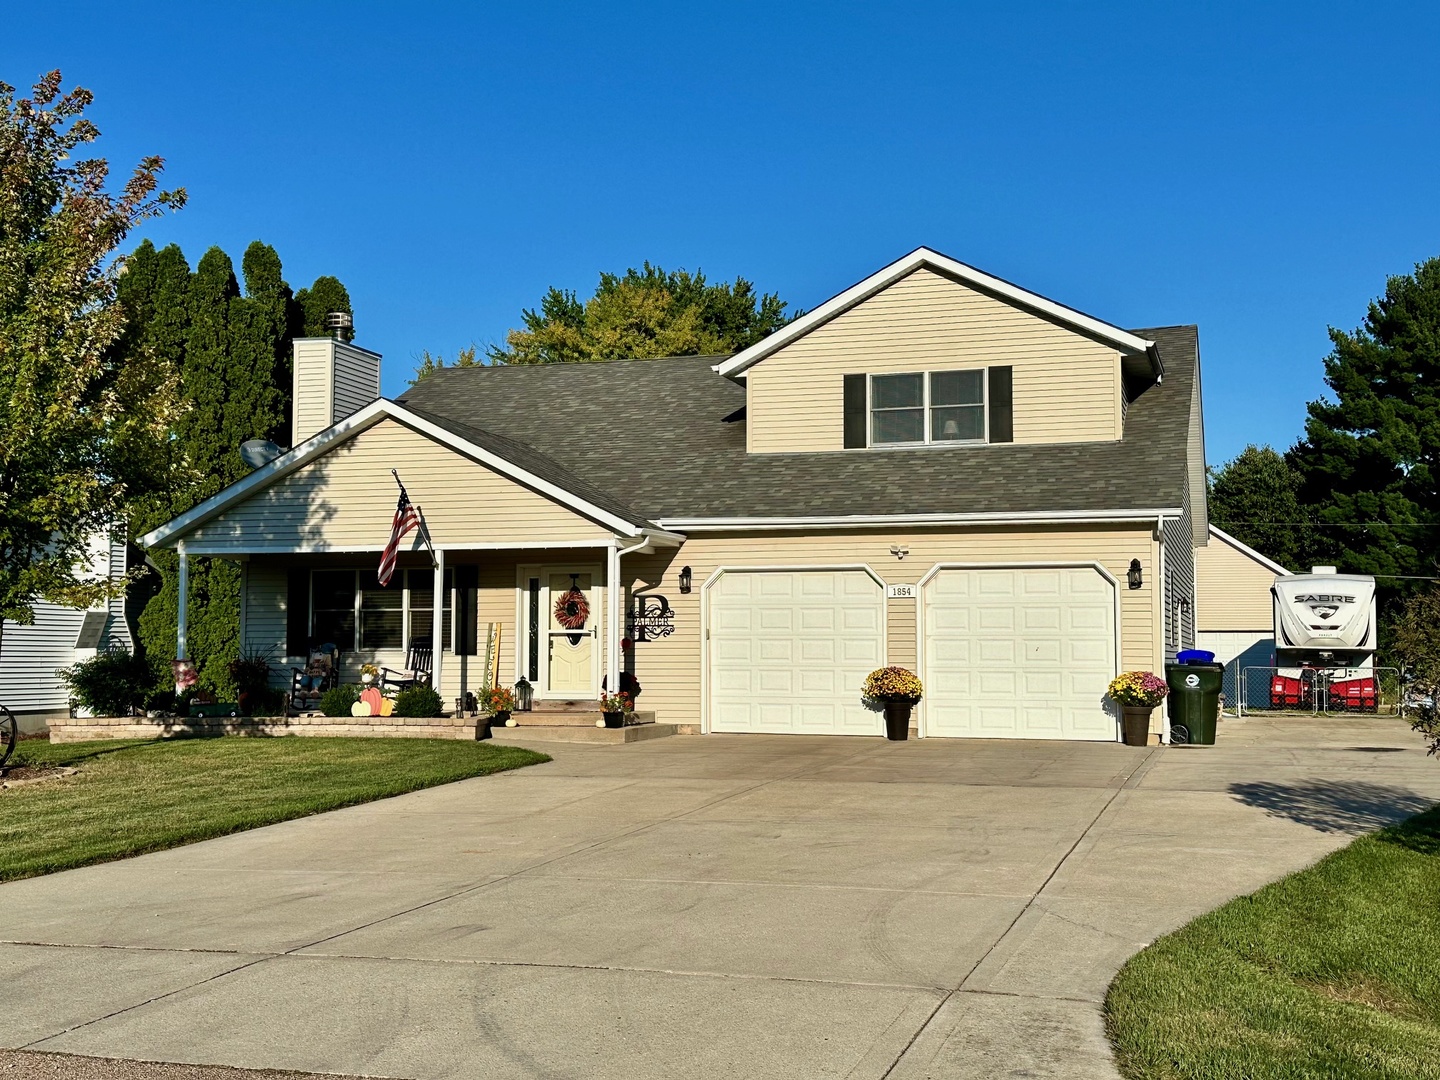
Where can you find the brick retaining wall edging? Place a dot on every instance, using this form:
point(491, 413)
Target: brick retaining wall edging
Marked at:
point(84, 729)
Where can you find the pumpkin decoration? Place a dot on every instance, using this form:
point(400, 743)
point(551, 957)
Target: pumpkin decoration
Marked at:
point(372, 703)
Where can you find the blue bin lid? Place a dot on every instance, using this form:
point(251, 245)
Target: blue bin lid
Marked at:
point(1195, 656)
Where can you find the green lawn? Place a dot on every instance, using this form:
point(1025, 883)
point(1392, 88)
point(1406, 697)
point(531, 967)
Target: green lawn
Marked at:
point(1331, 972)
point(131, 797)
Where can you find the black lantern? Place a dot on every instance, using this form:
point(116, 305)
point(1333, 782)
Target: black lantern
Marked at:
point(1133, 574)
point(685, 579)
point(524, 695)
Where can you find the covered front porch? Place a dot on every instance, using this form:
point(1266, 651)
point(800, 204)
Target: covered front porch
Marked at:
point(552, 616)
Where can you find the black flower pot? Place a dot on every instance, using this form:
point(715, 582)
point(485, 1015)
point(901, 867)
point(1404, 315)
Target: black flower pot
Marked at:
point(897, 718)
point(501, 717)
point(1135, 724)
point(614, 719)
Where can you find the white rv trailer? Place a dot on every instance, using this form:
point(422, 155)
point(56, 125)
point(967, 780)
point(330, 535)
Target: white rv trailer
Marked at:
point(1325, 638)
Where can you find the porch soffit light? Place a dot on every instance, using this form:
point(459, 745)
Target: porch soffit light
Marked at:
point(685, 579)
point(1133, 575)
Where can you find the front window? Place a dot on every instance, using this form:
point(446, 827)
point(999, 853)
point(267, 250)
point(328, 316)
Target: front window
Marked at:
point(352, 610)
point(382, 612)
point(422, 606)
point(332, 603)
point(934, 407)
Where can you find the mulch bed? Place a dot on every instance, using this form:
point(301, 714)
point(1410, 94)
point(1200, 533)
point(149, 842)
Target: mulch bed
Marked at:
point(17, 775)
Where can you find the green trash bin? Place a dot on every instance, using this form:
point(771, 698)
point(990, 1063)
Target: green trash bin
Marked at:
point(1194, 701)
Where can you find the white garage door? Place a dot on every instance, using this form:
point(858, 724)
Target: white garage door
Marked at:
point(790, 649)
point(1019, 654)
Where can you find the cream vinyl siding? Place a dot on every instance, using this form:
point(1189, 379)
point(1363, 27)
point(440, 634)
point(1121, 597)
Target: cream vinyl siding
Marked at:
point(313, 389)
point(669, 669)
point(1066, 386)
point(347, 499)
point(1233, 590)
point(267, 585)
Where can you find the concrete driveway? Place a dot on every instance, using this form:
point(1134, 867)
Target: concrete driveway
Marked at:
point(740, 906)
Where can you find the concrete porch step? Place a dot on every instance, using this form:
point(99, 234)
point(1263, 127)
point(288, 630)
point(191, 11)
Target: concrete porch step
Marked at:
point(576, 718)
point(527, 733)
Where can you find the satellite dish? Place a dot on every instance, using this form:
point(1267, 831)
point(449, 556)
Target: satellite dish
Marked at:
point(258, 452)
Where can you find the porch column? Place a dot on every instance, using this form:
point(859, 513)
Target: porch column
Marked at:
point(612, 616)
point(436, 636)
point(182, 610)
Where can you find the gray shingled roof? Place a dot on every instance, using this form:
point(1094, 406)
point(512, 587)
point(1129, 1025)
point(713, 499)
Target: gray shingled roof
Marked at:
point(666, 438)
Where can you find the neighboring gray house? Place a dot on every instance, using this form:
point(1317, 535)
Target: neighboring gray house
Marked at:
point(31, 655)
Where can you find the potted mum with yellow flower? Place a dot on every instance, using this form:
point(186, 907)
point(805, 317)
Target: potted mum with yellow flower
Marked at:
point(1137, 693)
point(898, 689)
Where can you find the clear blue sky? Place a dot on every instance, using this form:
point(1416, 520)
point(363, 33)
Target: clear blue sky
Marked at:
point(1256, 169)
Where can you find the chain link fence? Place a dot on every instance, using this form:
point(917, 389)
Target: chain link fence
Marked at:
point(1314, 691)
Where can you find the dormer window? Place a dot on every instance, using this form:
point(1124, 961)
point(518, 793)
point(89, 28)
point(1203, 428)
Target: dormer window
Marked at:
point(929, 408)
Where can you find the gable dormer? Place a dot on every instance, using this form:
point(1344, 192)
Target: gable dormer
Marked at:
point(930, 352)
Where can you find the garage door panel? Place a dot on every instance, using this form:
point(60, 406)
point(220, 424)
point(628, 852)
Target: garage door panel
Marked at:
point(812, 636)
point(1019, 653)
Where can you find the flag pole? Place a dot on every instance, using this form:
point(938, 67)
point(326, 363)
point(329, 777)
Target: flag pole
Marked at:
point(424, 526)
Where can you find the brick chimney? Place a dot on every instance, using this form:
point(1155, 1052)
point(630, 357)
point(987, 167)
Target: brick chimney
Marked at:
point(332, 378)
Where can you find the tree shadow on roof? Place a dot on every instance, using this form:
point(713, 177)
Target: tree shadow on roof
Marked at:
point(1333, 806)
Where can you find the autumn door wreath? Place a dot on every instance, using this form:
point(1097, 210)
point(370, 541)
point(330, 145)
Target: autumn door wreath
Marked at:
point(572, 610)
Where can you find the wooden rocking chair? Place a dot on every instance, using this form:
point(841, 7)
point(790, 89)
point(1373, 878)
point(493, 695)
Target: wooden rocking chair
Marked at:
point(418, 666)
point(320, 673)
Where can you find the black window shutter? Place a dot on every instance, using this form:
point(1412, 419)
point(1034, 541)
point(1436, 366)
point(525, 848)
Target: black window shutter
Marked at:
point(467, 584)
point(855, 411)
point(297, 613)
point(1002, 404)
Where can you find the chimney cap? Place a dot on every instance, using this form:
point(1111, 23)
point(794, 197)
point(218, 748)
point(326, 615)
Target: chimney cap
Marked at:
point(341, 325)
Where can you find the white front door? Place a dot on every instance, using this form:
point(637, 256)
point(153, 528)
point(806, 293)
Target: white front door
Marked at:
point(1022, 653)
point(570, 615)
point(790, 649)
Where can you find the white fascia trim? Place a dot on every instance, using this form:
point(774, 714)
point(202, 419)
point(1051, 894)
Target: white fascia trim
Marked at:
point(1247, 550)
point(1123, 340)
point(869, 521)
point(380, 409)
point(416, 547)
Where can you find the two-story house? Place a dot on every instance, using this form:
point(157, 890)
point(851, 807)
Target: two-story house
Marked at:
point(936, 469)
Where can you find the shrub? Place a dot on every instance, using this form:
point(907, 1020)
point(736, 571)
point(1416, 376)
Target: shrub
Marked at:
point(417, 701)
point(109, 683)
point(337, 700)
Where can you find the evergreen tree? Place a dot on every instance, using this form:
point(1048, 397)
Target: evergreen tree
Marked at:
point(643, 313)
point(1256, 498)
point(1370, 458)
point(313, 304)
point(233, 353)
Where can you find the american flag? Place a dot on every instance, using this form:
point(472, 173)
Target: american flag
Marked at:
point(406, 519)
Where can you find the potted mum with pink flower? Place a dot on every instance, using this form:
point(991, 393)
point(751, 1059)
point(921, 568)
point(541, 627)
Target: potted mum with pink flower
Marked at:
point(1137, 693)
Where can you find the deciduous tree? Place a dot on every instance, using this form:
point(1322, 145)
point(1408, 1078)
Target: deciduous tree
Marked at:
point(641, 314)
point(80, 421)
